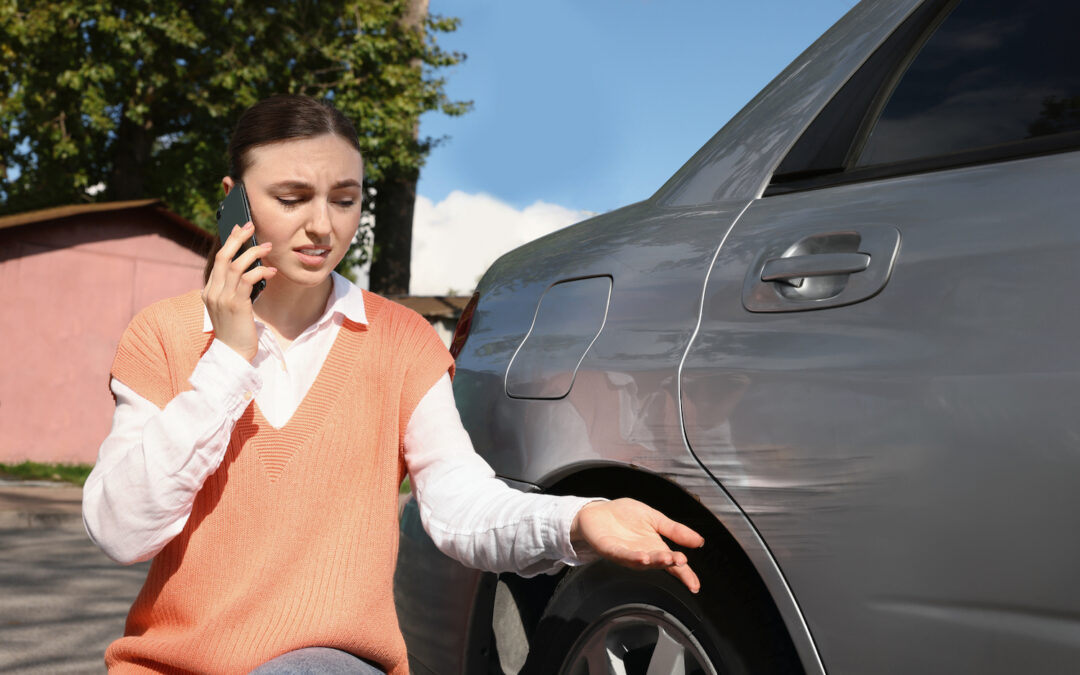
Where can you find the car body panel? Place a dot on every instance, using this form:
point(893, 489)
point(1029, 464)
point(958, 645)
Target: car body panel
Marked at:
point(657, 262)
point(909, 458)
point(618, 410)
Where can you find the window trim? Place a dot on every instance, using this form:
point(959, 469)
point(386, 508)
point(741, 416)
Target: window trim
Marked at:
point(887, 88)
point(825, 154)
point(826, 144)
point(1022, 149)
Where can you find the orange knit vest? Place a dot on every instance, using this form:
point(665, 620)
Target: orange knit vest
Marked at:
point(292, 542)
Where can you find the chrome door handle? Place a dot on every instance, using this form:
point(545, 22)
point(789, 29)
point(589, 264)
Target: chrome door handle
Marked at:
point(813, 265)
point(805, 269)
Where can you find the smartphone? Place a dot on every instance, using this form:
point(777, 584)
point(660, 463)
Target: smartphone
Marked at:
point(235, 210)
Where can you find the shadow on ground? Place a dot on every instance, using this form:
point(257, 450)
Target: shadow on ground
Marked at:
point(61, 601)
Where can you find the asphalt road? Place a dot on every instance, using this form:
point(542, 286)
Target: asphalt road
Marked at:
point(61, 600)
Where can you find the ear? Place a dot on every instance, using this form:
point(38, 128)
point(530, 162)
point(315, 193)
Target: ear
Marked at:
point(227, 184)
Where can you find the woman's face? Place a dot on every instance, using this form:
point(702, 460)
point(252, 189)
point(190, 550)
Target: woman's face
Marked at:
point(305, 200)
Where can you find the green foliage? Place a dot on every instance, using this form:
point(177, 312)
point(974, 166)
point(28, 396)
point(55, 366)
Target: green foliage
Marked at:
point(67, 473)
point(141, 95)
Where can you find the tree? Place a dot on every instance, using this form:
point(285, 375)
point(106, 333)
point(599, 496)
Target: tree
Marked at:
point(395, 200)
point(141, 95)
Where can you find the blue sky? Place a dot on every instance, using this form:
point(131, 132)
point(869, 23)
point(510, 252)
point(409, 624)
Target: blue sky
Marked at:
point(593, 104)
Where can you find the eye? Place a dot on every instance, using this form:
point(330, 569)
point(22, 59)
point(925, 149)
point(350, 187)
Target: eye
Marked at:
point(345, 203)
point(289, 202)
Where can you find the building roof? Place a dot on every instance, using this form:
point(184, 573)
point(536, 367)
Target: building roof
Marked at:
point(58, 212)
point(428, 306)
point(434, 306)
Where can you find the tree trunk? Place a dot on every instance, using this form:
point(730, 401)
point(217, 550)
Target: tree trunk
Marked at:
point(395, 200)
point(133, 145)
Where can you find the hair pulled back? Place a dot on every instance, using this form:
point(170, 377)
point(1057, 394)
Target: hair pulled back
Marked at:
point(281, 118)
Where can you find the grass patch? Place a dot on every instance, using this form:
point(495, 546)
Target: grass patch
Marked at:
point(64, 473)
point(76, 473)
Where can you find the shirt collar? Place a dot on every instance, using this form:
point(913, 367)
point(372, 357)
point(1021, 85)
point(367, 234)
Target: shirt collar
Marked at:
point(345, 299)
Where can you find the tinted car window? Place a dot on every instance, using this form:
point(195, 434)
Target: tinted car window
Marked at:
point(995, 72)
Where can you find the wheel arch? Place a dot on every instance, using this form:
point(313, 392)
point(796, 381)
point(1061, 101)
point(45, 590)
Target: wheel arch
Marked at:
point(517, 603)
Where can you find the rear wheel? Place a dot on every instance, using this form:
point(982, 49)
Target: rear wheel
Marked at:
point(632, 638)
point(607, 620)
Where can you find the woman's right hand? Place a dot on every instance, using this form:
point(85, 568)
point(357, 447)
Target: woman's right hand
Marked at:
point(227, 294)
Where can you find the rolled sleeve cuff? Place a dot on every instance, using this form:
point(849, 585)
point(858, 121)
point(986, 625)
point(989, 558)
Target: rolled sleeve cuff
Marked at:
point(226, 379)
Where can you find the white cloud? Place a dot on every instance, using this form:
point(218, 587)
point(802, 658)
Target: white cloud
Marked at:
point(456, 240)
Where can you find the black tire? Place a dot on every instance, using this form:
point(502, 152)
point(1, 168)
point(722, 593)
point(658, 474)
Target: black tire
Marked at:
point(607, 612)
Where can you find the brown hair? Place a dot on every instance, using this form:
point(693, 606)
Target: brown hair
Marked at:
point(280, 118)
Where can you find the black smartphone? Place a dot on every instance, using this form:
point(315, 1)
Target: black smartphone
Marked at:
point(235, 210)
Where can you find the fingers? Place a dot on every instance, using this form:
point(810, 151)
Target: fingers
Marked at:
point(632, 533)
point(666, 559)
point(223, 258)
point(248, 258)
point(639, 559)
point(686, 575)
point(229, 247)
point(229, 277)
point(249, 279)
point(679, 533)
point(227, 295)
point(674, 562)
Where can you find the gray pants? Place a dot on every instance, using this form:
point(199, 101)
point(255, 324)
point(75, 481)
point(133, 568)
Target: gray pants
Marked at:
point(317, 661)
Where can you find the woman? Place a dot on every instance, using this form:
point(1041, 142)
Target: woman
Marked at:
point(272, 526)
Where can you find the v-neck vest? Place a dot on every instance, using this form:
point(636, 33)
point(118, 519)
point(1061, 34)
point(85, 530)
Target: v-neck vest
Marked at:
point(292, 541)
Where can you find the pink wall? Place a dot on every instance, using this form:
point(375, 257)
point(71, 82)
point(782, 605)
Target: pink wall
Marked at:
point(67, 290)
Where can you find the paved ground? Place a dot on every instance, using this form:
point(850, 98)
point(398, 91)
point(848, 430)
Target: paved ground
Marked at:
point(61, 600)
point(37, 503)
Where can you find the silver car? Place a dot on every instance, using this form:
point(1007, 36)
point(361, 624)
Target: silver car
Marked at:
point(841, 342)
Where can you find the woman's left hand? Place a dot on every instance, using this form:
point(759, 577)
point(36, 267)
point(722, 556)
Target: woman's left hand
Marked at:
point(629, 533)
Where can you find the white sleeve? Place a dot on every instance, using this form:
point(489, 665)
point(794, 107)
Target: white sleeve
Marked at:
point(153, 462)
point(470, 514)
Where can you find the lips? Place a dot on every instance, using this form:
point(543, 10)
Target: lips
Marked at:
point(312, 256)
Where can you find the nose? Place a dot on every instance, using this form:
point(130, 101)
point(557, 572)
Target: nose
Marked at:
point(318, 226)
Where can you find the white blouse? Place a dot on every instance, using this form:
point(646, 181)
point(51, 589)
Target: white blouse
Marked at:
point(153, 462)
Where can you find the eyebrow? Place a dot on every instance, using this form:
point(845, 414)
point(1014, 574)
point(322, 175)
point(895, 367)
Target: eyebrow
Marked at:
point(301, 185)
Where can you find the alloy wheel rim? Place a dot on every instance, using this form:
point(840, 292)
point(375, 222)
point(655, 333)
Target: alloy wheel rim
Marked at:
point(637, 640)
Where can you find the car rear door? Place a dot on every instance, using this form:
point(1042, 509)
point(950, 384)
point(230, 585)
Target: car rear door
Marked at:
point(886, 378)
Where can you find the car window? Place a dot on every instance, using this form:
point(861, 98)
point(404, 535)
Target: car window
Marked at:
point(995, 72)
point(957, 83)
